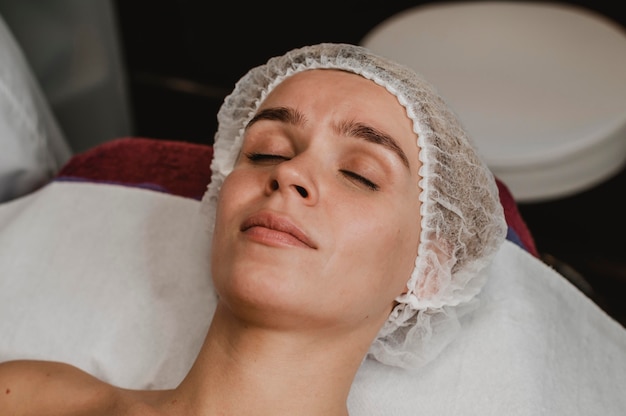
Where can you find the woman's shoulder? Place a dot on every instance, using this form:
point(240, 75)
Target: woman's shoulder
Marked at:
point(29, 387)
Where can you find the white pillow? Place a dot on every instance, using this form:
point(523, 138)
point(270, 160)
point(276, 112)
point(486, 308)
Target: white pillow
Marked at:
point(32, 146)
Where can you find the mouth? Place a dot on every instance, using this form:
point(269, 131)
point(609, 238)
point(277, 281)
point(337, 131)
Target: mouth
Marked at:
point(273, 229)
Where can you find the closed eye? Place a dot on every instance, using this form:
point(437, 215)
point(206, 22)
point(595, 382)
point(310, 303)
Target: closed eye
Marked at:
point(265, 157)
point(361, 179)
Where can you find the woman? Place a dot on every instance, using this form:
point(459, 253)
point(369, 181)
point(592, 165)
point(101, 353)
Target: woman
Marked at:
point(350, 218)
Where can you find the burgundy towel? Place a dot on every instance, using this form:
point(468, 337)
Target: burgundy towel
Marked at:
point(178, 168)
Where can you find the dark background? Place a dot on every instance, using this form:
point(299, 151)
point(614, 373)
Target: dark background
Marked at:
point(210, 48)
point(183, 57)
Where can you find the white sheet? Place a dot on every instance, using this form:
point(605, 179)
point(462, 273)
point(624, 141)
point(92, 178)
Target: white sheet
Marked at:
point(115, 281)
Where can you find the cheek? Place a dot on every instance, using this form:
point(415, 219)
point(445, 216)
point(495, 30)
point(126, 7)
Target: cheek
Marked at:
point(234, 194)
point(238, 188)
point(376, 262)
point(396, 249)
point(383, 243)
point(225, 204)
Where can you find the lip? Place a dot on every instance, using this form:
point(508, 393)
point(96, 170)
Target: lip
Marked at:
point(275, 229)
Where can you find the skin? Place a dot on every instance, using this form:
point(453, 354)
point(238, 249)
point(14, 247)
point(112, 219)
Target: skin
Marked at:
point(316, 234)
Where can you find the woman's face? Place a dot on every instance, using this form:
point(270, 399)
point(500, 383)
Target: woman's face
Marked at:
point(318, 224)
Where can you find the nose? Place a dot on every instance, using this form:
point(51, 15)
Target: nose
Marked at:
point(274, 185)
point(293, 177)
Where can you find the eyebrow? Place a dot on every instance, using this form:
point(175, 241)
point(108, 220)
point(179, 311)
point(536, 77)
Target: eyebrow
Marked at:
point(373, 135)
point(348, 128)
point(283, 114)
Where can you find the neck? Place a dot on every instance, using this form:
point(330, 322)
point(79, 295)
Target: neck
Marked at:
point(250, 370)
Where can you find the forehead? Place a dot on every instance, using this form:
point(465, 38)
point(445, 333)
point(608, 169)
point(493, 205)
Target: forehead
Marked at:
point(336, 96)
point(335, 83)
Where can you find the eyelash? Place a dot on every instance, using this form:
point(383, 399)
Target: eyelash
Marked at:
point(369, 184)
point(264, 157)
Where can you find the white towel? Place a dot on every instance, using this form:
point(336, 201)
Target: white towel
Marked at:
point(115, 281)
point(536, 346)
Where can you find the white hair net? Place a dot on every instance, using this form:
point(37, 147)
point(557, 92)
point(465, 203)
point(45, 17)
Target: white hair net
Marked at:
point(462, 219)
